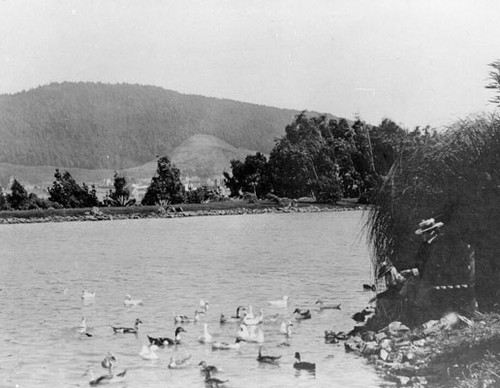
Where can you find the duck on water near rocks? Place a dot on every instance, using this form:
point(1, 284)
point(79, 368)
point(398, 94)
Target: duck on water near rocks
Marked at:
point(370, 287)
point(179, 362)
point(162, 341)
point(109, 361)
point(205, 367)
point(235, 318)
point(267, 359)
point(279, 303)
point(149, 352)
point(108, 379)
point(360, 316)
point(327, 306)
point(286, 328)
point(132, 330)
point(302, 314)
point(225, 346)
point(206, 337)
point(303, 365)
point(178, 318)
point(129, 302)
point(213, 382)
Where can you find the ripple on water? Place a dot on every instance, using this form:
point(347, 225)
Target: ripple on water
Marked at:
point(171, 264)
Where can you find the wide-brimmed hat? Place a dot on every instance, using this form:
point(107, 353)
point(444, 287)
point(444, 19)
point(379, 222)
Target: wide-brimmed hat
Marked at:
point(428, 225)
point(385, 267)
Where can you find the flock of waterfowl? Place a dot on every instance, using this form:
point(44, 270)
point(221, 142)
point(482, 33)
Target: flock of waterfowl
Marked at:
point(248, 331)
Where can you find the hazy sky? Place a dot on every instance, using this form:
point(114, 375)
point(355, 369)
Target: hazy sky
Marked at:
point(416, 62)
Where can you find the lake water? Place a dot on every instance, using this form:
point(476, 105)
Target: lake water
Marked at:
point(171, 264)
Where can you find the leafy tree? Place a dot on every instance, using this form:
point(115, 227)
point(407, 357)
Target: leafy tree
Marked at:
point(66, 192)
point(310, 157)
point(165, 186)
point(120, 196)
point(250, 176)
point(18, 196)
point(4, 205)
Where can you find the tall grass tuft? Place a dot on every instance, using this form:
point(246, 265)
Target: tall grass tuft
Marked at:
point(454, 177)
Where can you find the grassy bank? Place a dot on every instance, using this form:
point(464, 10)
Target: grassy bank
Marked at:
point(211, 208)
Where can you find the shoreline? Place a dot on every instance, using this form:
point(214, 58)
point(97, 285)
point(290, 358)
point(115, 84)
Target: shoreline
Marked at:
point(169, 211)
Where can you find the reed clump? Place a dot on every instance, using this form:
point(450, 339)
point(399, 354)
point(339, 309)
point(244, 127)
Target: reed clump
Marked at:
point(454, 177)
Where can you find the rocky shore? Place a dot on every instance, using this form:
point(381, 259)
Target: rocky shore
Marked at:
point(108, 214)
point(453, 351)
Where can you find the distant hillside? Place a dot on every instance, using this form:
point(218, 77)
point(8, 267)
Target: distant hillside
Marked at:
point(201, 156)
point(98, 126)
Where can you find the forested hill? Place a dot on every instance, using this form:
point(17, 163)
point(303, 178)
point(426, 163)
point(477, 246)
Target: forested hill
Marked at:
point(101, 126)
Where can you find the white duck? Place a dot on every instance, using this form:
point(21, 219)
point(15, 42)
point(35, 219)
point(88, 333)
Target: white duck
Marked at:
point(250, 334)
point(204, 305)
point(279, 303)
point(235, 318)
point(225, 346)
point(206, 337)
point(178, 363)
point(254, 320)
point(149, 352)
point(327, 306)
point(83, 326)
point(129, 302)
point(286, 328)
point(179, 318)
point(88, 297)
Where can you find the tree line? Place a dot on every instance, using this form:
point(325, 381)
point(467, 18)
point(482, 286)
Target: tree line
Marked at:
point(319, 158)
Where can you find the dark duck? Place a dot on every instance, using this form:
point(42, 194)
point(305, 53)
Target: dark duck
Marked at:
point(360, 316)
point(133, 330)
point(205, 367)
point(213, 382)
point(302, 314)
point(267, 359)
point(303, 365)
point(235, 318)
point(162, 341)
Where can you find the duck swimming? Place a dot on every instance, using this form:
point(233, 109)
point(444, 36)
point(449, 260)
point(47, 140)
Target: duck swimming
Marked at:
point(129, 302)
point(109, 361)
point(327, 306)
point(87, 295)
point(267, 359)
point(251, 320)
point(178, 318)
point(302, 314)
point(178, 363)
point(212, 381)
point(360, 316)
point(303, 365)
point(83, 328)
point(149, 352)
point(250, 334)
point(286, 328)
point(204, 305)
point(205, 337)
point(235, 318)
point(107, 379)
point(162, 341)
point(132, 330)
point(279, 303)
point(226, 346)
point(205, 367)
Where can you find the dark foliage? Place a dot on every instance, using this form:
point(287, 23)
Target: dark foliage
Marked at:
point(252, 175)
point(453, 177)
point(18, 196)
point(66, 192)
point(166, 186)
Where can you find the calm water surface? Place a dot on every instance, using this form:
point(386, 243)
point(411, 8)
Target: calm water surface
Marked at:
point(171, 264)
